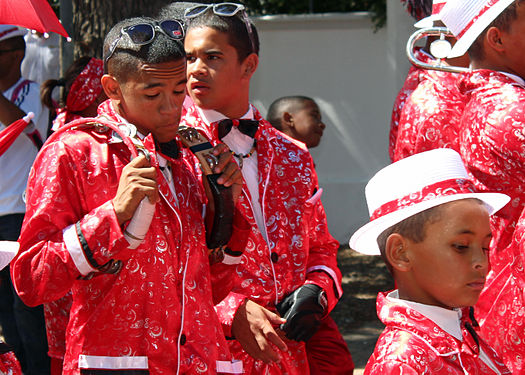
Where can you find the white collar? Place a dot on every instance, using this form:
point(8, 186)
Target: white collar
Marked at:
point(514, 77)
point(210, 115)
point(447, 320)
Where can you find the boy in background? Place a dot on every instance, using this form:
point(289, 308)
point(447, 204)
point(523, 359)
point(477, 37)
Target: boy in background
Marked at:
point(298, 117)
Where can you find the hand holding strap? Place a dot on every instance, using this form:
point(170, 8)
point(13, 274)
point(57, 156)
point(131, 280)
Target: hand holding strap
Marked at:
point(220, 228)
point(303, 310)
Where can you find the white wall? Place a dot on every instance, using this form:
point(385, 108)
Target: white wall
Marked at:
point(354, 75)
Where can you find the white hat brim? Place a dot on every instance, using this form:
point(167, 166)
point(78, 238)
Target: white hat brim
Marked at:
point(463, 44)
point(364, 240)
point(8, 250)
point(427, 21)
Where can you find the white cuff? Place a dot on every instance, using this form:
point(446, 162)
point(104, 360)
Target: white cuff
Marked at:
point(233, 367)
point(332, 274)
point(75, 250)
point(112, 363)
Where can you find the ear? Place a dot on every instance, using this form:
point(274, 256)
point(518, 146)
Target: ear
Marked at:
point(396, 252)
point(250, 64)
point(287, 120)
point(111, 87)
point(493, 39)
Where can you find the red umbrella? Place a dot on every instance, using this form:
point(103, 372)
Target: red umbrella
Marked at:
point(32, 14)
point(9, 134)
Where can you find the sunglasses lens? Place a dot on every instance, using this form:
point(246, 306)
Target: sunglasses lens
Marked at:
point(140, 34)
point(195, 11)
point(173, 29)
point(227, 9)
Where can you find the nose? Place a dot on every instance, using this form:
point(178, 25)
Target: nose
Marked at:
point(197, 67)
point(480, 260)
point(322, 125)
point(170, 105)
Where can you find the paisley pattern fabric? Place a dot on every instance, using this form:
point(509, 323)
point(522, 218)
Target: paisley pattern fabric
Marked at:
point(504, 324)
point(413, 344)
point(9, 364)
point(431, 116)
point(299, 249)
point(158, 310)
point(493, 149)
point(57, 318)
point(414, 77)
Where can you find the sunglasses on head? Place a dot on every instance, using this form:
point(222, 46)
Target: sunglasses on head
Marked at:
point(144, 33)
point(224, 10)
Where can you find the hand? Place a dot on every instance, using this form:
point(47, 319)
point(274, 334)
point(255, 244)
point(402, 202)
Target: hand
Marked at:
point(253, 328)
point(231, 175)
point(303, 310)
point(138, 180)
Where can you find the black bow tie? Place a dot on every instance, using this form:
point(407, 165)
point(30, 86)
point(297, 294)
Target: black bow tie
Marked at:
point(170, 149)
point(248, 127)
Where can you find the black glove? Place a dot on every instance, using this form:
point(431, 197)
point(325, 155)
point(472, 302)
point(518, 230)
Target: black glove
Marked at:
point(303, 310)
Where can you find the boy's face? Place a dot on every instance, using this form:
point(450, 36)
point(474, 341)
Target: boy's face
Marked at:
point(215, 74)
point(152, 98)
point(449, 266)
point(308, 124)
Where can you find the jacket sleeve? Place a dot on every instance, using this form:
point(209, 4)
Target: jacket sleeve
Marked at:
point(322, 268)
point(63, 237)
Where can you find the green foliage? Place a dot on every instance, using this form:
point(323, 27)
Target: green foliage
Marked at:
point(263, 7)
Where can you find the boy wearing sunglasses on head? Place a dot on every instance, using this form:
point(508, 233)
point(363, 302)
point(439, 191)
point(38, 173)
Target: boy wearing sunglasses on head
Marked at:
point(140, 305)
point(289, 266)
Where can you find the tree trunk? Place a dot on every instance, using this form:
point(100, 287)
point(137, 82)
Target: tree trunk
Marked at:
point(92, 19)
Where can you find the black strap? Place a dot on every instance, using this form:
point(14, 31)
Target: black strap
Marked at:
point(222, 225)
point(85, 247)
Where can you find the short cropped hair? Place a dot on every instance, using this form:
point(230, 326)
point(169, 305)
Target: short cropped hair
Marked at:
point(234, 27)
point(127, 55)
point(174, 10)
point(503, 22)
point(412, 228)
point(285, 104)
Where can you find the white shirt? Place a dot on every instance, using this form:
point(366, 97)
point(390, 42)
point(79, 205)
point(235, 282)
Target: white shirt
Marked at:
point(448, 320)
point(16, 162)
point(240, 143)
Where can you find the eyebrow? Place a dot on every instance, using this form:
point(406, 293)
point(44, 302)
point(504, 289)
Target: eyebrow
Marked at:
point(158, 84)
point(468, 231)
point(214, 52)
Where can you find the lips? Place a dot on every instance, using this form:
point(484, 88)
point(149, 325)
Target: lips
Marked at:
point(477, 284)
point(198, 87)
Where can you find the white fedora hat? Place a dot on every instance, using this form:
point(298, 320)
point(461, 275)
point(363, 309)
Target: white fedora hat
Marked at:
point(8, 250)
point(412, 185)
point(467, 19)
point(437, 6)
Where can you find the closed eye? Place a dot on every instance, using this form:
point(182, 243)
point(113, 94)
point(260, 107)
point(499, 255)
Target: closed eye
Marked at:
point(460, 247)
